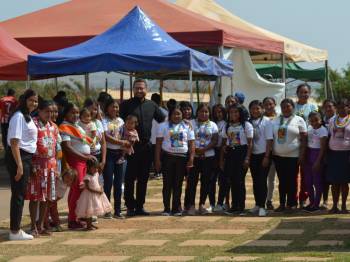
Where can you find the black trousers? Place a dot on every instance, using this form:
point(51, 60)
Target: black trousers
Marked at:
point(18, 188)
point(259, 175)
point(174, 169)
point(204, 168)
point(4, 131)
point(218, 176)
point(287, 171)
point(137, 170)
point(236, 173)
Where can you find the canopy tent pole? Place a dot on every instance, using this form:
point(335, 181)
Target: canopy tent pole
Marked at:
point(87, 85)
point(130, 81)
point(161, 86)
point(190, 85)
point(326, 79)
point(56, 84)
point(121, 90)
point(197, 91)
point(28, 82)
point(231, 85)
point(221, 55)
point(106, 85)
point(283, 58)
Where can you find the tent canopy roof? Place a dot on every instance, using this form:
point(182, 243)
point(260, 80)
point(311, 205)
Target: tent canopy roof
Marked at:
point(76, 21)
point(135, 44)
point(292, 71)
point(294, 50)
point(13, 58)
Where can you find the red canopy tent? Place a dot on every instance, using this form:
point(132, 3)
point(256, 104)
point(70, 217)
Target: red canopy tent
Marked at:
point(76, 21)
point(13, 58)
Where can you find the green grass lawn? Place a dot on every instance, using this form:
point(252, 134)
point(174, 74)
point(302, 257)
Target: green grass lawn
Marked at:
point(234, 247)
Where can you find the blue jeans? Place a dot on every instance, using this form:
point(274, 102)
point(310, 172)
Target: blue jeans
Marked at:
point(113, 175)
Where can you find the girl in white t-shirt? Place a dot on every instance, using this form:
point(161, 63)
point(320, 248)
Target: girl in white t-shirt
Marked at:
point(316, 147)
point(206, 134)
point(219, 117)
point(237, 141)
point(175, 139)
point(261, 156)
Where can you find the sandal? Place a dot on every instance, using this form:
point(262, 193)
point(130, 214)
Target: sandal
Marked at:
point(34, 232)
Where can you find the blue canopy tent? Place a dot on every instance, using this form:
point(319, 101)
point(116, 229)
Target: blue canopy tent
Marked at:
point(135, 44)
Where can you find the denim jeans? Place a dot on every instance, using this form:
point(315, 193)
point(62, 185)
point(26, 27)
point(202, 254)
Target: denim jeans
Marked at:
point(113, 176)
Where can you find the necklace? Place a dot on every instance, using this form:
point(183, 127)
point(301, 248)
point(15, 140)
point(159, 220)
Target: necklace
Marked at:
point(338, 123)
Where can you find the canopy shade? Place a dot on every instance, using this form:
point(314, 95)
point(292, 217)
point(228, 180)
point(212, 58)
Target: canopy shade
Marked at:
point(135, 44)
point(13, 58)
point(294, 50)
point(76, 21)
point(292, 71)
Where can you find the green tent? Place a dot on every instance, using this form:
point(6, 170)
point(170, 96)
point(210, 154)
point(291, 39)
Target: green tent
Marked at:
point(292, 71)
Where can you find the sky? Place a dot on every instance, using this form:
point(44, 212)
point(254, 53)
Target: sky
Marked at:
point(322, 24)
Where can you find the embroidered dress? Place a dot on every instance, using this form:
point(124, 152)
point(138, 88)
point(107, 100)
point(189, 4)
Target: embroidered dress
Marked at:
point(42, 184)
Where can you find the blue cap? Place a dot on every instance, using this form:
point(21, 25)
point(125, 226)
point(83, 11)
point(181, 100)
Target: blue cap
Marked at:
point(240, 96)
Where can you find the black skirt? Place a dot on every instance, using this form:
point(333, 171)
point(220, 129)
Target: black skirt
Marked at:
point(338, 167)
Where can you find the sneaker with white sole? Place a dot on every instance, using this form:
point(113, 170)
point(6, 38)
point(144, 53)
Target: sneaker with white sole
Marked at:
point(202, 210)
point(254, 210)
point(191, 211)
point(218, 208)
point(210, 209)
point(225, 207)
point(262, 212)
point(21, 235)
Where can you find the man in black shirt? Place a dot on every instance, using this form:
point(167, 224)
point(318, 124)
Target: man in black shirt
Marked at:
point(138, 164)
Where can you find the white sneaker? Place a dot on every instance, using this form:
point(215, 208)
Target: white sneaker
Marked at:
point(202, 210)
point(262, 212)
point(218, 208)
point(21, 235)
point(210, 209)
point(254, 210)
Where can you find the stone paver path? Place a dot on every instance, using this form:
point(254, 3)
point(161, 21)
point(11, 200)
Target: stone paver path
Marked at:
point(251, 219)
point(35, 241)
point(115, 231)
point(224, 231)
point(200, 219)
point(335, 232)
point(283, 232)
point(168, 258)
point(37, 258)
point(101, 259)
point(204, 242)
point(268, 243)
point(235, 258)
point(144, 242)
point(150, 218)
point(85, 241)
point(307, 259)
point(316, 243)
point(170, 231)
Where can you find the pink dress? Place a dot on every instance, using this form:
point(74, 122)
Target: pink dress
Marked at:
point(131, 136)
point(92, 204)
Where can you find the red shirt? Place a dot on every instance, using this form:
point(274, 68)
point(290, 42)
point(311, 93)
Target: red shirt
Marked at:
point(7, 106)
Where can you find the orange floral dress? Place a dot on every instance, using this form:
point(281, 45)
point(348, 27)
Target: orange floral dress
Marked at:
point(42, 183)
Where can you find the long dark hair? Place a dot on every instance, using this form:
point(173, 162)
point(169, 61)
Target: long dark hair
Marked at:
point(171, 111)
point(242, 115)
point(107, 104)
point(201, 106)
point(184, 104)
point(22, 106)
point(223, 110)
point(69, 106)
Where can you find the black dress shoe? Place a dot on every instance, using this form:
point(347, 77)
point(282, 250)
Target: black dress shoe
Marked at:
point(141, 212)
point(130, 213)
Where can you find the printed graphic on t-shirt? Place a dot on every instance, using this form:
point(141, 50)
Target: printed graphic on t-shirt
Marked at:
point(203, 135)
point(176, 137)
point(282, 135)
point(234, 136)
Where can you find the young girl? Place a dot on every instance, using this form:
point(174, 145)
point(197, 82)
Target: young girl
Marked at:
point(206, 133)
point(92, 201)
point(114, 170)
point(76, 148)
point(303, 108)
point(176, 139)
point(329, 111)
point(261, 156)
point(269, 104)
point(42, 184)
point(338, 167)
point(219, 116)
point(317, 144)
point(130, 134)
point(237, 137)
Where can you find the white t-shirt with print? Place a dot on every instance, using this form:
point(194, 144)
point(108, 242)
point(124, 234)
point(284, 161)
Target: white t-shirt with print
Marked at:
point(26, 133)
point(175, 137)
point(113, 128)
point(289, 145)
point(203, 133)
point(236, 135)
point(314, 136)
point(262, 132)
